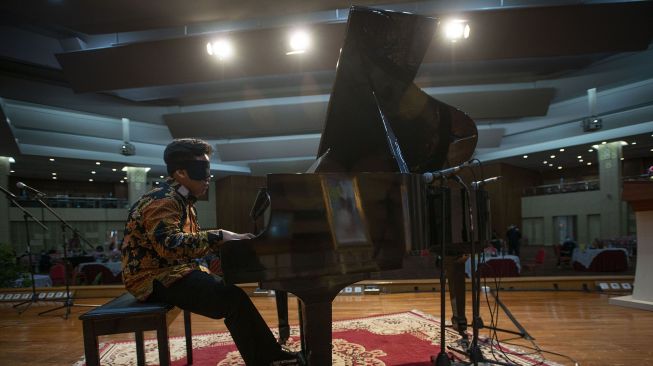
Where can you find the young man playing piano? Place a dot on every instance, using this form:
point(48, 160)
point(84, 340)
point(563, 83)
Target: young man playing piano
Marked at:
point(162, 242)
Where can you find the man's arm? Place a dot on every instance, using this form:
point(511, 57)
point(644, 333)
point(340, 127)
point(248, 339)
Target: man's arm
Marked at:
point(162, 222)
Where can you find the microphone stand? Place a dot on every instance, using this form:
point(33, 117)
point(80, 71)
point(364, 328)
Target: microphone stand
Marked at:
point(10, 196)
point(68, 302)
point(442, 359)
point(474, 352)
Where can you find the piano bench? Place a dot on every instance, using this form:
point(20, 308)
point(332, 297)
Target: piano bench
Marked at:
point(125, 314)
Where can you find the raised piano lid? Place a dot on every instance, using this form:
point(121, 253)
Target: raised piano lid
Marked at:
point(378, 120)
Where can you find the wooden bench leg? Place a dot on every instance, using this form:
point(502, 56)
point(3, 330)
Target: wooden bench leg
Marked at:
point(189, 337)
point(140, 349)
point(162, 339)
point(91, 352)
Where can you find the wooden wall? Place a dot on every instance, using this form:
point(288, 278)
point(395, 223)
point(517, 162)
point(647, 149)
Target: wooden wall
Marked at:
point(234, 198)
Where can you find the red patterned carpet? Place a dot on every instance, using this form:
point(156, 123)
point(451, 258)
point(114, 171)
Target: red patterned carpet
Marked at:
point(408, 338)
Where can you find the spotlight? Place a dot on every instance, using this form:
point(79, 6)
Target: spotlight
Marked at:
point(456, 30)
point(299, 42)
point(222, 49)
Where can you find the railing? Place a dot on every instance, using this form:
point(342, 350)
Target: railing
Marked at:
point(588, 185)
point(77, 202)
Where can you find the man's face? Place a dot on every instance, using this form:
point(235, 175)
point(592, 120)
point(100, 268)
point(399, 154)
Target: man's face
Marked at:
point(196, 187)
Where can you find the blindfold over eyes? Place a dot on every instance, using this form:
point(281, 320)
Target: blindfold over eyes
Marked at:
point(197, 169)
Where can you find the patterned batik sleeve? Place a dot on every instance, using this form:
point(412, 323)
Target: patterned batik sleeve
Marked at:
point(162, 221)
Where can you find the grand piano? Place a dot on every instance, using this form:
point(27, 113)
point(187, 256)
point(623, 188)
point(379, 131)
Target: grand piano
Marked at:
point(362, 204)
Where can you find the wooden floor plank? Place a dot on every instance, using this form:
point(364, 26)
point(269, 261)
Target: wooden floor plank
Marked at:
point(581, 325)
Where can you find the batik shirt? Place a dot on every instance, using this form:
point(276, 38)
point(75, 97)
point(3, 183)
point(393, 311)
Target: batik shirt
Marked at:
point(163, 239)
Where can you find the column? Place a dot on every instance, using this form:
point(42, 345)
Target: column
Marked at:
point(4, 202)
point(609, 156)
point(137, 180)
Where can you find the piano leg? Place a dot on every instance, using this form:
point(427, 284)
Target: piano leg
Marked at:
point(316, 318)
point(455, 268)
point(282, 315)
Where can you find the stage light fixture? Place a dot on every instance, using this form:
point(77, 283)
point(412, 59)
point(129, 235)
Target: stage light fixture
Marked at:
point(299, 42)
point(456, 30)
point(222, 49)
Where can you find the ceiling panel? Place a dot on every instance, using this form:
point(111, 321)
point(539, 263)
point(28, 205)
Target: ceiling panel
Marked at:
point(286, 119)
point(272, 149)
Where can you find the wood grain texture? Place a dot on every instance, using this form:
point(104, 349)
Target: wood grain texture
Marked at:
point(581, 325)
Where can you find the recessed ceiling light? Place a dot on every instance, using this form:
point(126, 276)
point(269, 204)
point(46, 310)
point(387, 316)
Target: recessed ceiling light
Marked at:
point(559, 167)
point(12, 171)
point(634, 143)
point(590, 150)
point(54, 173)
point(160, 176)
point(545, 162)
point(90, 179)
point(456, 29)
point(92, 171)
point(621, 159)
point(579, 157)
point(211, 175)
point(562, 149)
point(114, 169)
point(156, 183)
point(552, 156)
point(122, 181)
point(222, 49)
point(603, 142)
point(525, 156)
point(51, 159)
point(55, 178)
point(580, 160)
point(550, 164)
point(97, 163)
point(589, 163)
point(299, 42)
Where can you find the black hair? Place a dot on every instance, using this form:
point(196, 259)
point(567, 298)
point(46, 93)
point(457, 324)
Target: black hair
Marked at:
point(180, 151)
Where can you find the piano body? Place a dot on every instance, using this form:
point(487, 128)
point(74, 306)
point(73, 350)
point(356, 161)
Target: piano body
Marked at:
point(362, 206)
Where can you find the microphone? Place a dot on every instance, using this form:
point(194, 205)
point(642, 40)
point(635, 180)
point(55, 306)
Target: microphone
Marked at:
point(431, 176)
point(481, 183)
point(38, 193)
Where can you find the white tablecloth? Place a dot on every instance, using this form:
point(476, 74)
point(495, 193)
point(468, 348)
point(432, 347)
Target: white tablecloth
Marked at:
point(39, 281)
point(585, 257)
point(114, 267)
point(514, 258)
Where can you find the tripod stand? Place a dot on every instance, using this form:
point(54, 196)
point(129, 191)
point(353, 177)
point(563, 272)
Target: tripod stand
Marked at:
point(68, 302)
point(483, 217)
point(26, 215)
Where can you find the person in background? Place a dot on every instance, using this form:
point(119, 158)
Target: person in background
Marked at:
point(567, 249)
point(490, 250)
point(99, 254)
point(514, 240)
point(162, 241)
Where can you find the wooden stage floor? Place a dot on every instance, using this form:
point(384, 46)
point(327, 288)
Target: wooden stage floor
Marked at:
point(581, 325)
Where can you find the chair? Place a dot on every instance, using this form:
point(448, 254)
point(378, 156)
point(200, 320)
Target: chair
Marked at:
point(125, 314)
point(562, 259)
point(58, 274)
point(536, 263)
point(96, 274)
